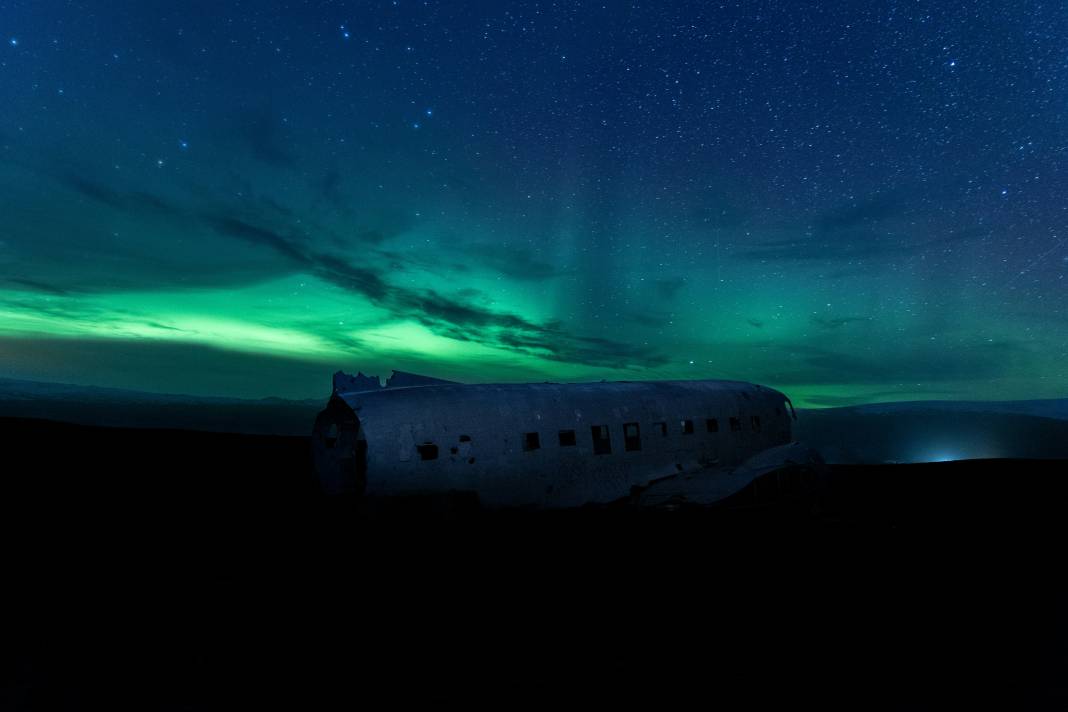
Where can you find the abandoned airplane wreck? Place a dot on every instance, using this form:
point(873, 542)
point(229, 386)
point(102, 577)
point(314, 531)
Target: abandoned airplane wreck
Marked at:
point(551, 445)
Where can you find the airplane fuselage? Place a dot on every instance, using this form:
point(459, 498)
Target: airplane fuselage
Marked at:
point(542, 444)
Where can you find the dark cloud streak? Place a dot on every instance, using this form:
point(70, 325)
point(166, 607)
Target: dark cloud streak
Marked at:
point(894, 364)
point(262, 131)
point(875, 209)
point(865, 247)
point(837, 322)
point(458, 317)
point(445, 315)
point(40, 286)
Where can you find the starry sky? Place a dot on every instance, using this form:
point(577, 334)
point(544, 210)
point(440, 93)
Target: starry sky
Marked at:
point(848, 201)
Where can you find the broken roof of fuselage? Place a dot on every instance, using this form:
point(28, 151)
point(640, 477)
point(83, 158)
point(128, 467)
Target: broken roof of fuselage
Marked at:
point(344, 383)
point(356, 391)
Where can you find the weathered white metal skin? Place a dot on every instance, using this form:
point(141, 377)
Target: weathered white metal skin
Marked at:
point(544, 444)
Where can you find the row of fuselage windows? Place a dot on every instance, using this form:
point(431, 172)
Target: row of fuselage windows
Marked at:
point(602, 438)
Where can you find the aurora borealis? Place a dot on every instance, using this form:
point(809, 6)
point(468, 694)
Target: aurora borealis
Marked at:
point(851, 202)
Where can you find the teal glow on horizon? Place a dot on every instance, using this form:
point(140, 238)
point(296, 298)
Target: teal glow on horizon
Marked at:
point(240, 201)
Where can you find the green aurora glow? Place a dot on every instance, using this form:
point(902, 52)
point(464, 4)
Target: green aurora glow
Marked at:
point(182, 213)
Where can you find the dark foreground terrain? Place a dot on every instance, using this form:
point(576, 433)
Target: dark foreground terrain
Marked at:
point(186, 570)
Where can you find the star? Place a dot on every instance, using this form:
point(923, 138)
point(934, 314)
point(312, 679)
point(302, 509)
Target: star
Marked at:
point(14, 41)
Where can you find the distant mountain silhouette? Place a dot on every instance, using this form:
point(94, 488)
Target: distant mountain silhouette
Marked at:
point(916, 431)
point(118, 407)
point(1045, 408)
point(12, 388)
point(931, 431)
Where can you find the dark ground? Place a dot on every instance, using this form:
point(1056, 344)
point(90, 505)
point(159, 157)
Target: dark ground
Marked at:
point(187, 570)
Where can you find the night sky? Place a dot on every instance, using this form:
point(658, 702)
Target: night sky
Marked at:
point(848, 201)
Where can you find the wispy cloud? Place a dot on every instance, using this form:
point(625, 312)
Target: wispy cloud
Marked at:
point(911, 363)
point(263, 132)
point(458, 317)
point(462, 315)
point(837, 322)
point(38, 285)
point(854, 232)
point(821, 248)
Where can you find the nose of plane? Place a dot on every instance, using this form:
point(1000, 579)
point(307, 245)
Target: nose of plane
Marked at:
point(339, 451)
